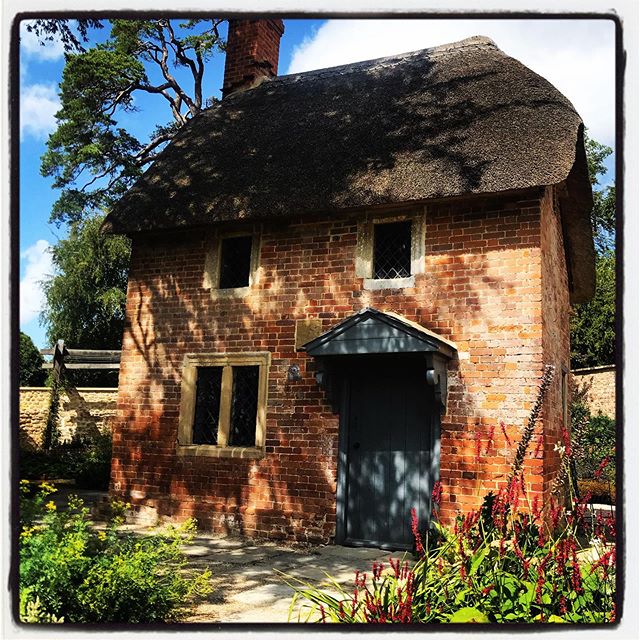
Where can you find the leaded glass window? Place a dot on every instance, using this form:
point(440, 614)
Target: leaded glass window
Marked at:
point(207, 410)
point(392, 250)
point(235, 262)
point(223, 404)
point(244, 406)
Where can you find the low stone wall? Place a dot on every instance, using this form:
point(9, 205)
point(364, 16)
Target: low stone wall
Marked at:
point(34, 410)
point(83, 411)
point(599, 385)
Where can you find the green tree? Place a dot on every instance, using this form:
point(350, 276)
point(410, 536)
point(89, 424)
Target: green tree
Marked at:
point(72, 33)
point(593, 323)
point(31, 373)
point(603, 214)
point(91, 157)
point(85, 299)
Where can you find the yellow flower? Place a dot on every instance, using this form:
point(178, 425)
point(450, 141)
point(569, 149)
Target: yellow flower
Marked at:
point(50, 506)
point(102, 535)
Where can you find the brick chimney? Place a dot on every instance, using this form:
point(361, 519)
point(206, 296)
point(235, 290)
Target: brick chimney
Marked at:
point(253, 47)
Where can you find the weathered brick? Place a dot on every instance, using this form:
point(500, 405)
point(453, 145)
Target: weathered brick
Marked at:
point(505, 306)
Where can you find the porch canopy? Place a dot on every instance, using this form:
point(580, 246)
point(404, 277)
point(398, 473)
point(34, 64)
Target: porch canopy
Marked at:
point(370, 332)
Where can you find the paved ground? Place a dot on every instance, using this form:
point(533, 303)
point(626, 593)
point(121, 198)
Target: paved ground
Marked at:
point(246, 584)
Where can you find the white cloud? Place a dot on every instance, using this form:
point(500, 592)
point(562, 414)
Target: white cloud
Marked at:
point(30, 46)
point(38, 105)
point(38, 266)
point(577, 56)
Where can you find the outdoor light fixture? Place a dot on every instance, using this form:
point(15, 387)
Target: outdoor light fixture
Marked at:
point(293, 373)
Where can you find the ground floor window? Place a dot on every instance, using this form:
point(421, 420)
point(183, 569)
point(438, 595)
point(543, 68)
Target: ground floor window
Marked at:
point(223, 404)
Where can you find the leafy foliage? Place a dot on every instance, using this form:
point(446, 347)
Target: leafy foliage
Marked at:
point(595, 441)
point(70, 572)
point(87, 461)
point(85, 300)
point(593, 323)
point(71, 33)
point(31, 373)
point(90, 156)
point(593, 331)
point(603, 214)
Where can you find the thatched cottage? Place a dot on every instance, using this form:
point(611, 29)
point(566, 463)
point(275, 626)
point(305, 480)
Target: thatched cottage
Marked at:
point(341, 282)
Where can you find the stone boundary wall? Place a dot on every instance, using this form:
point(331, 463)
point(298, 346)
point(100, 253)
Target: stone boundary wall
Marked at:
point(600, 386)
point(83, 411)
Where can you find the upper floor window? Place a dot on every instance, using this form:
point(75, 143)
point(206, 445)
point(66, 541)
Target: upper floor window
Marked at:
point(390, 250)
point(231, 263)
point(235, 262)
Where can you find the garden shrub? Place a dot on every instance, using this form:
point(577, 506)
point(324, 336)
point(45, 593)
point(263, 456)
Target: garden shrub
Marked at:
point(87, 461)
point(595, 441)
point(71, 572)
point(509, 561)
point(602, 492)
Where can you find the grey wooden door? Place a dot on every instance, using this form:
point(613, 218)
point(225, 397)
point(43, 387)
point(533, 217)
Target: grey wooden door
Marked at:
point(389, 455)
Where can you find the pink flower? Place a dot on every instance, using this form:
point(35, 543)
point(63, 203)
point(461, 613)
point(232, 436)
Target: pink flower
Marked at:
point(436, 494)
point(416, 532)
point(567, 442)
point(492, 429)
point(539, 446)
point(563, 605)
point(504, 432)
point(601, 468)
point(478, 445)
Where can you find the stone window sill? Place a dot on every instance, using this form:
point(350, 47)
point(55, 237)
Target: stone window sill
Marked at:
point(238, 292)
point(373, 284)
point(212, 451)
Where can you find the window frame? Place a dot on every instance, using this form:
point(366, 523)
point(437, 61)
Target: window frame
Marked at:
point(192, 361)
point(365, 250)
point(212, 270)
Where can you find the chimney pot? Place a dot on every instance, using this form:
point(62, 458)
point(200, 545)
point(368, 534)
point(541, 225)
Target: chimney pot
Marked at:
point(253, 48)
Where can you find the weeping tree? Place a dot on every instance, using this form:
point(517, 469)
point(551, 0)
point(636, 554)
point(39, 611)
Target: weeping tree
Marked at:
point(92, 157)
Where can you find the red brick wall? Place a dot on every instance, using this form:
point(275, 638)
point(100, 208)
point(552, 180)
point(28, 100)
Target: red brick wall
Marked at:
point(482, 288)
point(253, 47)
point(555, 328)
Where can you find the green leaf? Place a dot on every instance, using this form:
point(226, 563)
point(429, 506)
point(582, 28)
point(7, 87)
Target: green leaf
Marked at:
point(555, 618)
point(477, 560)
point(469, 615)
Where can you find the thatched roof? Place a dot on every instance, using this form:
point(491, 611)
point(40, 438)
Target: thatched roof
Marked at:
point(458, 119)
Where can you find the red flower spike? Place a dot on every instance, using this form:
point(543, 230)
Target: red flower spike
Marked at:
point(436, 494)
point(567, 442)
point(504, 432)
point(492, 429)
point(416, 533)
point(539, 445)
point(603, 465)
point(478, 445)
point(563, 605)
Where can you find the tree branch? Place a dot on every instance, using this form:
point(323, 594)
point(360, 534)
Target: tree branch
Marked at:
point(141, 156)
point(165, 72)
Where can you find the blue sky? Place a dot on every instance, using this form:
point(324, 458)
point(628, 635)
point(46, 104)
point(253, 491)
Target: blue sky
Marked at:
point(577, 56)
